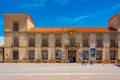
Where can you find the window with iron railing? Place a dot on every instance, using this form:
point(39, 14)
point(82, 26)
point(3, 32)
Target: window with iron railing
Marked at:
point(31, 54)
point(113, 43)
point(15, 55)
point(85, 43)
point(15, 26)
point(31, 42)
point(58, 55)
point(44, 42)
point(99, 43)
point(112, 55)
point(58, 42)
point(98, 55)
point(15, 42)
point(72, 42)
point(45, 55)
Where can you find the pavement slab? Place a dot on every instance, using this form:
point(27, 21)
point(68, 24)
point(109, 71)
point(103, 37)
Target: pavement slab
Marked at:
point(58, 71)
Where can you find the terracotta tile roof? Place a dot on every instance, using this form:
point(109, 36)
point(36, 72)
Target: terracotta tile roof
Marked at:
point(54, 30)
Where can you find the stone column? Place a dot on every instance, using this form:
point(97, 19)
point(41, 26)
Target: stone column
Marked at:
point(119, 47)
point(23, 43)
point(8, 53)
point(38, 43)
point(65, 41)
point(78, 40)
point(106, 44)
point(7, 46)
point(92, 40)
point(51, 47)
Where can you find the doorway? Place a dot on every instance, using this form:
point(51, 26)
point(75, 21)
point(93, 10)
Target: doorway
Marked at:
point(72, 56)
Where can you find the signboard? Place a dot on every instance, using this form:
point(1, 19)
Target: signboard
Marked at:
point(80, 55)
point(1, 54)
point(63, 55)
point(92, 53)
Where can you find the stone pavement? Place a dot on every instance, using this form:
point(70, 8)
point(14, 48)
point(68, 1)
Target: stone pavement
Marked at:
point(58, 71)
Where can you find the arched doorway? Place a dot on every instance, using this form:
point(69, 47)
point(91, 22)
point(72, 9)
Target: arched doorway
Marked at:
point(72, 56)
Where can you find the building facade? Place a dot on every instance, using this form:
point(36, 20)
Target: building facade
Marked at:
point(25, 43)
point(1, 53)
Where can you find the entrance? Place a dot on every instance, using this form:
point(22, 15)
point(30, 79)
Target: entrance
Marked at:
point(72, 56)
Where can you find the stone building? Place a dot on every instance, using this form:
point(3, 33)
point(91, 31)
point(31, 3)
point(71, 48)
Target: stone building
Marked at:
point(1, 53)
point(25, 43)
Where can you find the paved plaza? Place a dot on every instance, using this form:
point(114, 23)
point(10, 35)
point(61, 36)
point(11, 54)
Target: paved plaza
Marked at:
point(58, 71)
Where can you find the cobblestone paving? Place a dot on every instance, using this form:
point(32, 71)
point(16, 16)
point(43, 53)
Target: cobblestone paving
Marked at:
point(56, 71)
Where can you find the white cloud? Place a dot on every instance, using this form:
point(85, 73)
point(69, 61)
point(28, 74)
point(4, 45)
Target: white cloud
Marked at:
point(112, 8)
point(34, 3)
point(1, 40)
point(105, 11)
point(61, 2)
point(68, 21)
point(81, 17)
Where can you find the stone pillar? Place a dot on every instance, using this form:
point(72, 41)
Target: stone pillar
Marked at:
point(78, 41)
point(65, 42)
point(53, 52)
point(66, 54)
point(7, 53)
point(49, 54)
point(106, 44)
point(38, 40)
point(119, 47)
point(38, 43)
point(51, 47)
point(92, 40)
point(22, 53)
point(23, 43)
point(65, 39)
point(7, 46)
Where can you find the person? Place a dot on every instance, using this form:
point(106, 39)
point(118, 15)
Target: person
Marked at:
point(103, 62)
point(69, 60)
point(82, 62)
point(85, 63)
point(91, 61)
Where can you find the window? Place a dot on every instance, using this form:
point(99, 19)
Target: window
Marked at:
point(45, 55)
point(31, 42)
point(58, 42)
point(45, 42)
point(112, 55)
point(85, 55)
point(98, 55)
point(31, 55)
point(85, 43)
point(72, 42)
point(16, 43)
point(15, 26)
point(112, 43)
point(15, 55)
point(99, 43)
point(58, 55)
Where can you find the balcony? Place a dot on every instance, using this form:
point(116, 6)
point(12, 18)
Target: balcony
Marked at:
point(99, 46)
point(45, 45)
point(31, 45)
point(77, 45)
point(86, 45)
point(58, 45)
point(14, 45)
point(113, 46)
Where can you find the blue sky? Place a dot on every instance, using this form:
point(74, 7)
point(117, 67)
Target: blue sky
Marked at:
point(61, 13)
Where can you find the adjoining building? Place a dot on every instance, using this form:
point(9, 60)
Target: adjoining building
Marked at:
point(25, 43)
point(1, 53)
